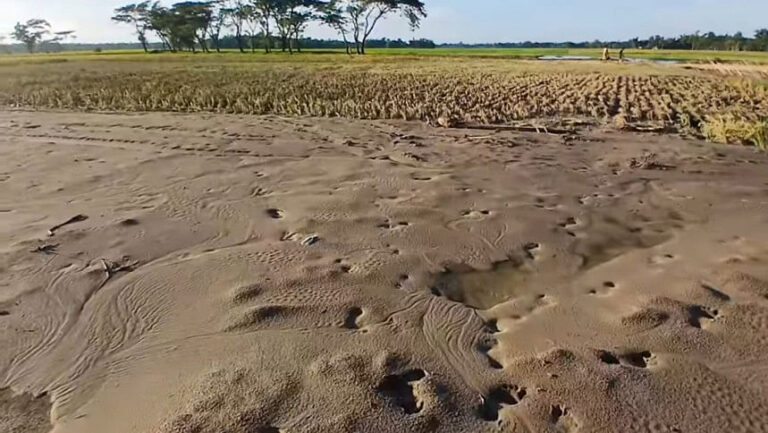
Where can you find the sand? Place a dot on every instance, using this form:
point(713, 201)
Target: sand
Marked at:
point(203, 273)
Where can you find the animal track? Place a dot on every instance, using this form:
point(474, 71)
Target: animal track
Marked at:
point(275, 213)
point(399, 390)
point(497, 399)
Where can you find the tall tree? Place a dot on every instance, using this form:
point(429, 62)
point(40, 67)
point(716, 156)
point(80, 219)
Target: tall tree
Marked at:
point(737, 42)
point(266, 11)
point(282, 15)
point(761, 40)
point(301, 14)
point(362, 16)
point(192, 21)
point(31, 33)
point(217, 23)
point(161, 20)
point(252, 26)
point(137, 15)
point(236, 15)
point(332, 14)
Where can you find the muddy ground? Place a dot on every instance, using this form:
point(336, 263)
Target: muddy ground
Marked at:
point(205, 273)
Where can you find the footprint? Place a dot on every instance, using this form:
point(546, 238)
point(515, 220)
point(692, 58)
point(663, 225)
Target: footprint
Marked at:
point(247, 293)
point(697, 314)
point(392, 226)
point(492, 326)
point(399, 390)
point(607, 357)
point(556, 413)
point(532, 250)
point(498, 398)
point(563, 419)
point(478, 214)
point(275, 213)
point(353, 315)
point(310, 240)
point(662, 259)
point(129, 222)
point(605, 289)
point(636, 359)
point(485, 348)
point(645, 319)
point(716, 293)
point(259, 316)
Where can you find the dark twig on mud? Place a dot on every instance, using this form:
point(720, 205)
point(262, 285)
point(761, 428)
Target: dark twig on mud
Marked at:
point(74, 219)
point(46, 249)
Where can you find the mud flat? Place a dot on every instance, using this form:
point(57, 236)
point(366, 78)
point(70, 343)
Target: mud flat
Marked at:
point(204, 273)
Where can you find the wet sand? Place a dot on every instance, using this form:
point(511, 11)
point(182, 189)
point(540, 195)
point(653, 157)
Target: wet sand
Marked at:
point(204, 273)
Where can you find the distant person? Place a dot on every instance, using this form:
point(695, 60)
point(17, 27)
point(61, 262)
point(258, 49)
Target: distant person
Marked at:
point(606, 55)
point(621, 55)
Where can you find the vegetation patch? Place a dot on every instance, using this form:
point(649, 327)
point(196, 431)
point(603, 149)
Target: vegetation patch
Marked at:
point(729, 129)
point(465, 91)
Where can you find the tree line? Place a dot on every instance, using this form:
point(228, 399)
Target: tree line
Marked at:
point(227, 42)
point(695, 41)
point(200, 25)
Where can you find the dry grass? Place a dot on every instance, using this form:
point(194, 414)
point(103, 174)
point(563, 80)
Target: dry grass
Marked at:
point(476, 91)
point(728, 129)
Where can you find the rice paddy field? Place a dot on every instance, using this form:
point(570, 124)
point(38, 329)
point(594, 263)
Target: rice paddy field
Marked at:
point(723, 102)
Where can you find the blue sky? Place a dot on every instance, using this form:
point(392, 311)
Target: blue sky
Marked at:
point(464, 20)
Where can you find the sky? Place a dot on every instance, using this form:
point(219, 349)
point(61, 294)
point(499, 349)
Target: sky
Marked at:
point(469, 21)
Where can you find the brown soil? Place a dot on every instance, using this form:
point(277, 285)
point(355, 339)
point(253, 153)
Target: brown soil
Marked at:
point(205, 273)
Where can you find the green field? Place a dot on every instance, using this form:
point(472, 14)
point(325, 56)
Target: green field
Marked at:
point(532, 53)
point(758, 58)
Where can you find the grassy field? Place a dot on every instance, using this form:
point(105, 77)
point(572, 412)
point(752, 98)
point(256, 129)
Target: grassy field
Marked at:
point(723, 105)
point(685, 56)
point(532, 53)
